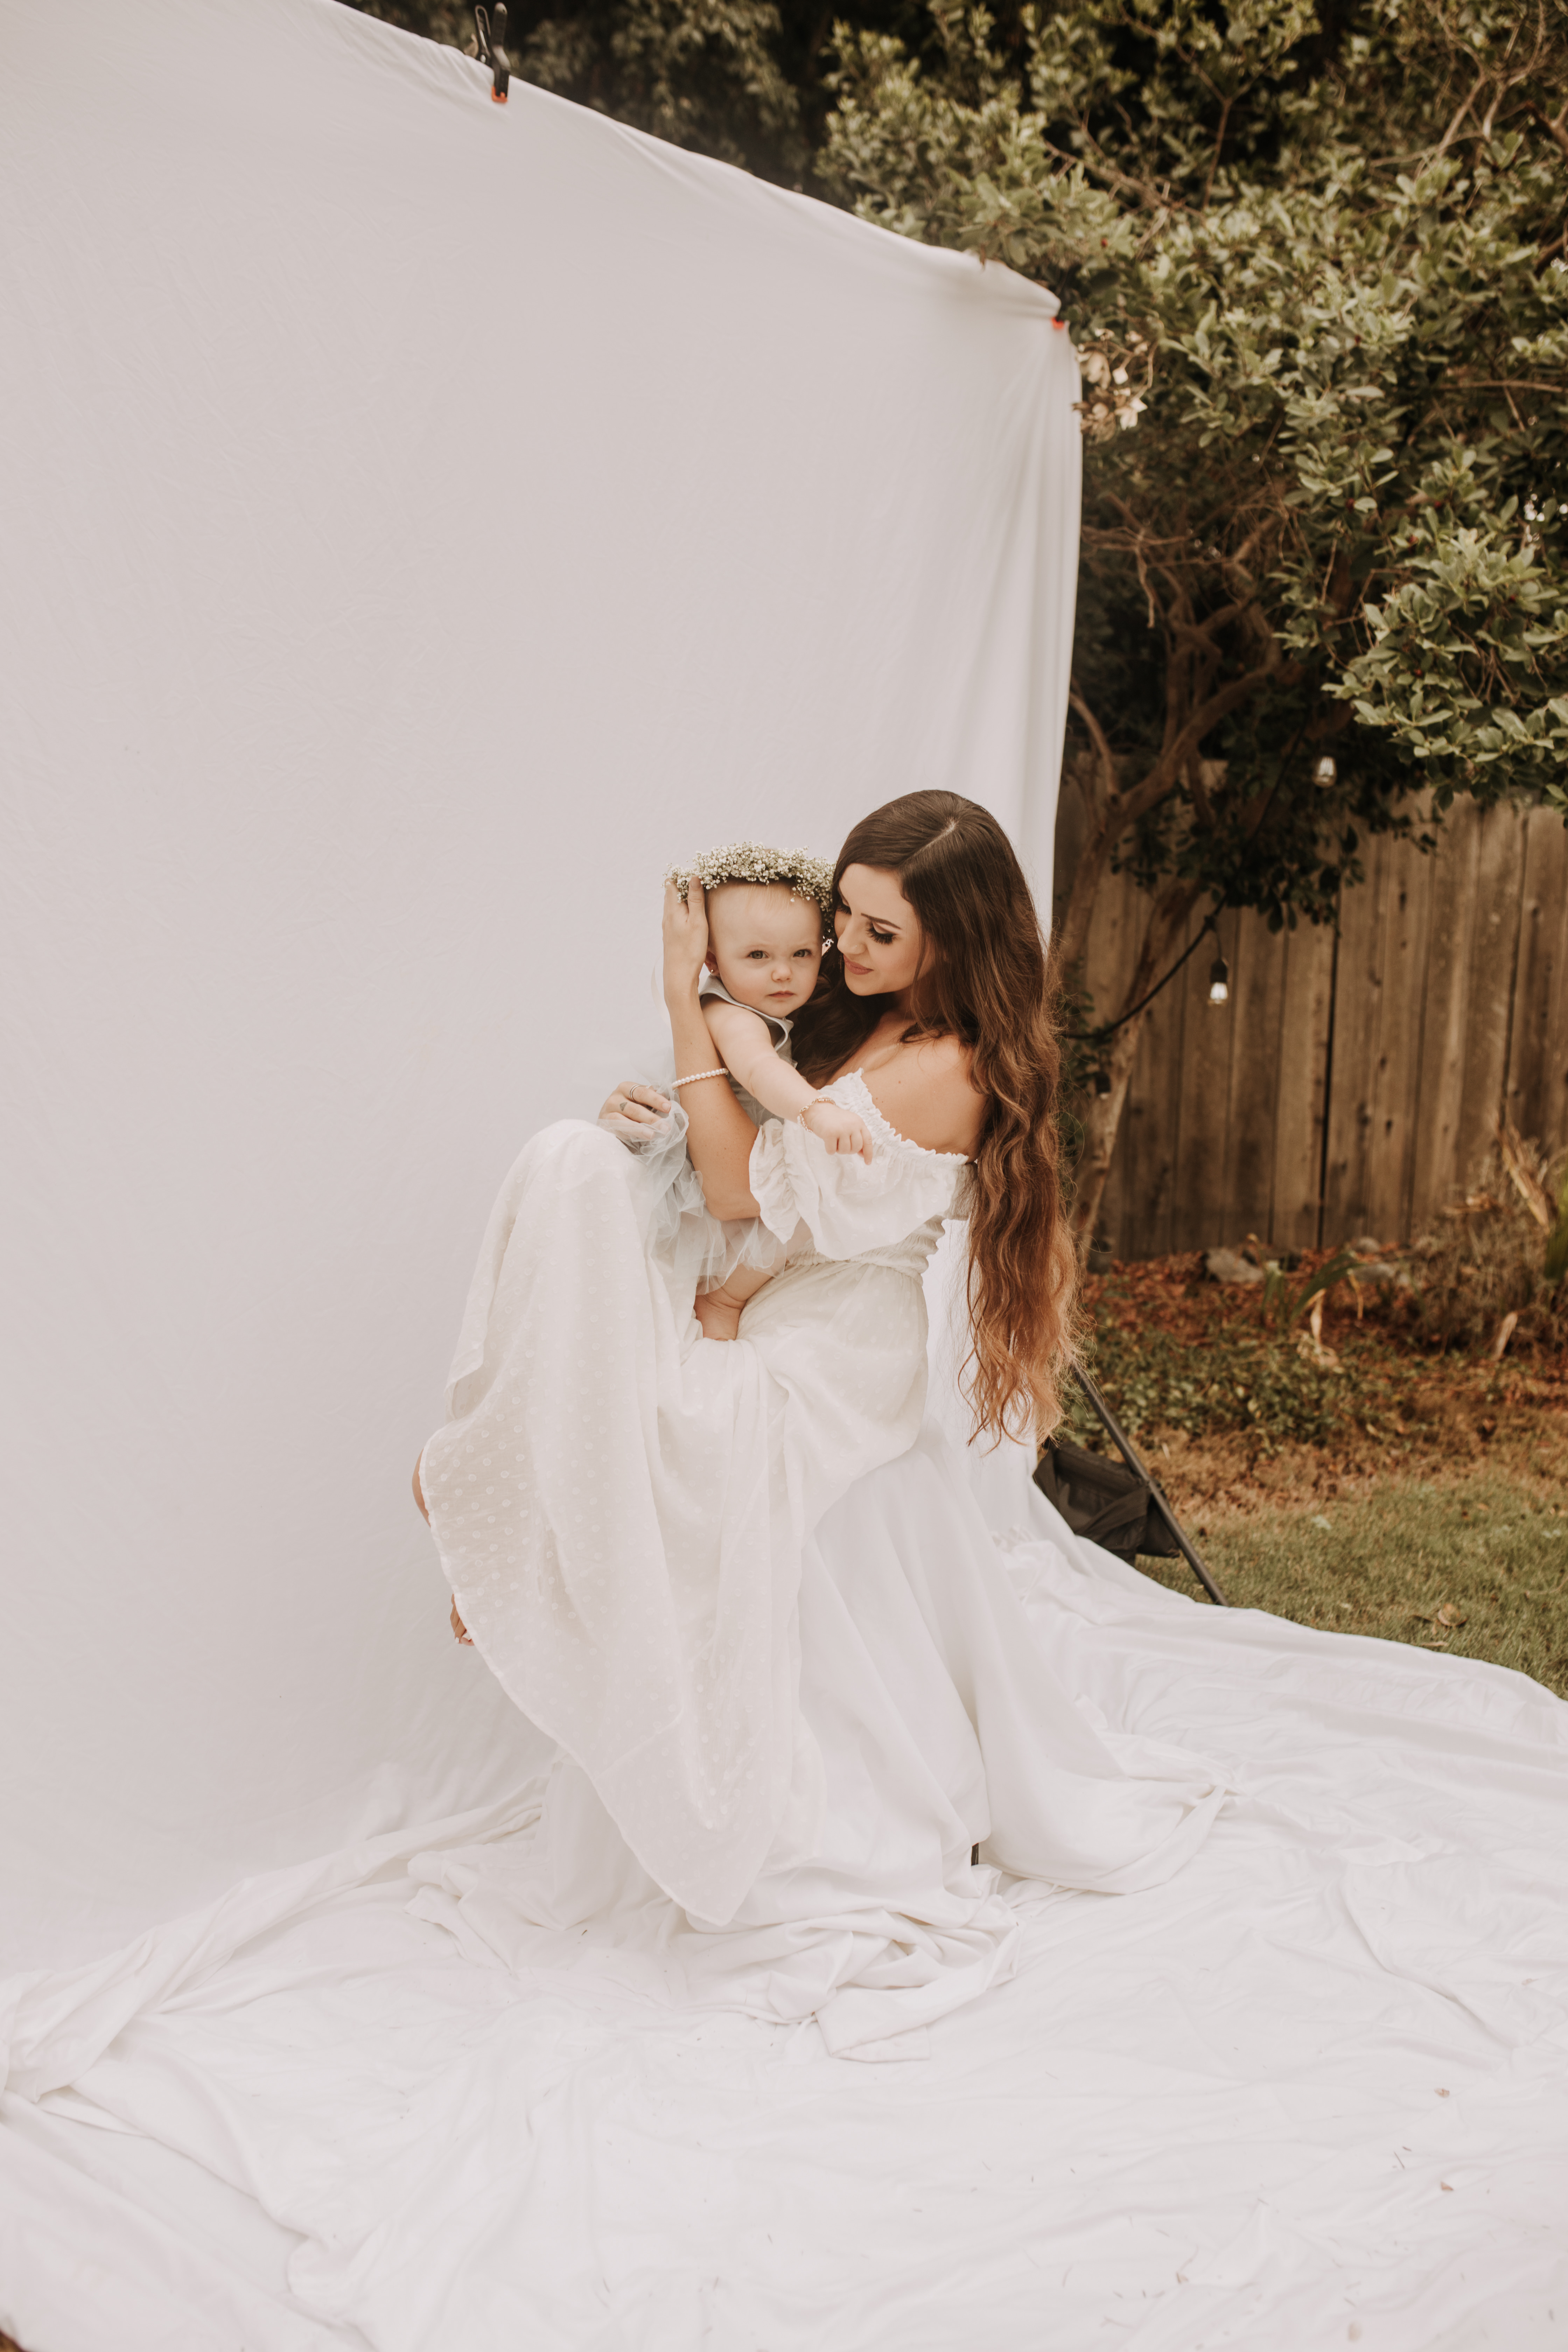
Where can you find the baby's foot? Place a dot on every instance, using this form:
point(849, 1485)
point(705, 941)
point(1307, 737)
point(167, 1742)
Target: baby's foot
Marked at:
point(719, 1319)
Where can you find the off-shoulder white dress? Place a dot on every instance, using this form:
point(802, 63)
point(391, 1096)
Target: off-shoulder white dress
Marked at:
point(766, 1782)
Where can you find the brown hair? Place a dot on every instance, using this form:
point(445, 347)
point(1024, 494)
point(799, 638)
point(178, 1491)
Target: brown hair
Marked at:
point(984, 978)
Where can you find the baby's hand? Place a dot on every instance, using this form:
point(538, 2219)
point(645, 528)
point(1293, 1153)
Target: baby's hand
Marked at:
point(840, 1129)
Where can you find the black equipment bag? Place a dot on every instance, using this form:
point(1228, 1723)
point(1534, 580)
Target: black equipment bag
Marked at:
point(1105, 1501)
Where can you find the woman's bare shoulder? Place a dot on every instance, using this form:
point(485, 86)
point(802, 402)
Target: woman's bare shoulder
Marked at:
point(927, 1091)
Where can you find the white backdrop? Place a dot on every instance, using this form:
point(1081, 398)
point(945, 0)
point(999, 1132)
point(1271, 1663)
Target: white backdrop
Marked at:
point(422, 521)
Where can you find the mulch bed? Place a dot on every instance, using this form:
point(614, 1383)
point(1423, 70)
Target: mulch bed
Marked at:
point(1452, 1412)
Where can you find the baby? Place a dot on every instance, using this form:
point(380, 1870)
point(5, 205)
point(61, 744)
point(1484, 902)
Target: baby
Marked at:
point(767, 911)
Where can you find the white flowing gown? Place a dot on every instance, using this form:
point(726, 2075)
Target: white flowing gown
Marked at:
point(746, 1741)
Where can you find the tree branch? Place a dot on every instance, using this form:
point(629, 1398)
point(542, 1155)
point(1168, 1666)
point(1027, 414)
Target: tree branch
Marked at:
point(1166, 771)
point(1105, 757)
point(1214, 159)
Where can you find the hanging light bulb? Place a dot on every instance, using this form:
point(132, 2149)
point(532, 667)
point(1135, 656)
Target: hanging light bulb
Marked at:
point(1100, 1081)
point(1325, 771)
point(1219, 981)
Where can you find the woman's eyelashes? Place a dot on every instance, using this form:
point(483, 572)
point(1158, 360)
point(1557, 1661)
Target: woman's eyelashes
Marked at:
point(882, 939)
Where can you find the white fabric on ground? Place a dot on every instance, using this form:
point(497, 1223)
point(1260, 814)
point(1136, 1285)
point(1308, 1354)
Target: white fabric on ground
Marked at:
point(1310, 2091)
point(425, 522)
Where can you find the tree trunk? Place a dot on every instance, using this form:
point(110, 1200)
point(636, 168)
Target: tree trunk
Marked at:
point(1102, 1115)
point(1070, 938)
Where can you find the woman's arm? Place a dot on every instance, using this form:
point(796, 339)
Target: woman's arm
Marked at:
point(721, 1135)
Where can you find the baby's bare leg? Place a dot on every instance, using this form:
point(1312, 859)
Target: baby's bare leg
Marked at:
point(718, 1311)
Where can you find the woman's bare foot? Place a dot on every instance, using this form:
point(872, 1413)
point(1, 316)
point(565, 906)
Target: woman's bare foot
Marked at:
point(719, 1319)
point(460, 1630)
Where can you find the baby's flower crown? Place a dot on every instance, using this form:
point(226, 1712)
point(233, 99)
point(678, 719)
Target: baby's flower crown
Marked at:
point(754, 861)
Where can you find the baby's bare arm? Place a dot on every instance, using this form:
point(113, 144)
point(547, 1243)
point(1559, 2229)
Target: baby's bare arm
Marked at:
point(744, 1044)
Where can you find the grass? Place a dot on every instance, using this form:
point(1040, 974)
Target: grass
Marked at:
point(1477, 1569)
point(1407, 1493)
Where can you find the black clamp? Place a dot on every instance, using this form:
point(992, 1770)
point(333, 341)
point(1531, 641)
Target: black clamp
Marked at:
point(490, 52)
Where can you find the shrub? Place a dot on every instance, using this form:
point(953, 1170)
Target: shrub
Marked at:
point(1502, 1250)
point(1257, 1381)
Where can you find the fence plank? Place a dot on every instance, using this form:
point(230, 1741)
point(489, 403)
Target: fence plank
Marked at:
point(1391, 1171)
point(1494, 956)
point(1538, 1053)
point(1440, 1075)
point(1256, 1009)
point(1300, 1097)
point(1202, 1085)
point(1358, 1021)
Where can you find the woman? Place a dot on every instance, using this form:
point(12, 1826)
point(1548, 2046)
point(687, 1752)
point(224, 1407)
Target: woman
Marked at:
point(762, 1731)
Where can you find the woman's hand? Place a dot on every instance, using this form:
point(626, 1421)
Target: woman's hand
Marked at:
point(685, 941)
point(633, 1111)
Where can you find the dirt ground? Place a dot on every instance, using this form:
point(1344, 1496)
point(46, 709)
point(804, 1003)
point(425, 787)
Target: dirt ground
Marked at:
point(1456, 1416)
point(1468, 1419)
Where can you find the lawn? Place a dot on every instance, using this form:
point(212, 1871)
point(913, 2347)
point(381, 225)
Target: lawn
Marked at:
point(1406, 1493)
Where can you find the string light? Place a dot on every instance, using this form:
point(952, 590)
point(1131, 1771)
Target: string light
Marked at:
point(1219, 981)
point(1325, 771)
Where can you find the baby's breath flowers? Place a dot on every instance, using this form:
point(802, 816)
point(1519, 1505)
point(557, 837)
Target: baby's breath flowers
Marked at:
point(754, 861)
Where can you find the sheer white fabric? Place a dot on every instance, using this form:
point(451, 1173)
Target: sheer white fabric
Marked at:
point(622, 1506)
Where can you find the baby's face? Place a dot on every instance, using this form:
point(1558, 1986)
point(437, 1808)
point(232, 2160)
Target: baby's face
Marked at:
point(765, 944)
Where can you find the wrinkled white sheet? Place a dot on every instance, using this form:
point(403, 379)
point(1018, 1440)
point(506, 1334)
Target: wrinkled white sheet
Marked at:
point(1313, 2090)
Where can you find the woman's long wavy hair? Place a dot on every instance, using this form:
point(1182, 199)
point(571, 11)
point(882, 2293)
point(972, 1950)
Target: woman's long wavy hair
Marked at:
point(985, 979)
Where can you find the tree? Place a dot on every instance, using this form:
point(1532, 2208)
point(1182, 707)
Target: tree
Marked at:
point(699, 73)
point(1317, 272)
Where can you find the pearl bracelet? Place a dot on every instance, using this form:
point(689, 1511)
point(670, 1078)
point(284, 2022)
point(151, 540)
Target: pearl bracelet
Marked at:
point(815, 1099)
point(698, 1075)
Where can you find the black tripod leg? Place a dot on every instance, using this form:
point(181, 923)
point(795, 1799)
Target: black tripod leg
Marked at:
point(1129, 1454)
point(1188, 1554)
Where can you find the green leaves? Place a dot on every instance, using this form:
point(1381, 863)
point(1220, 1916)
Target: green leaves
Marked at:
point(1328, 267)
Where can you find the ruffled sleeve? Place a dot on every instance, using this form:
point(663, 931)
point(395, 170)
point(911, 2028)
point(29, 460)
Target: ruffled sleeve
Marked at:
point(845, 1207)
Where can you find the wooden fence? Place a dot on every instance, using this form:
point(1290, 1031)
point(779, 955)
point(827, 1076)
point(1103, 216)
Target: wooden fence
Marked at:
point(1351, 1085)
